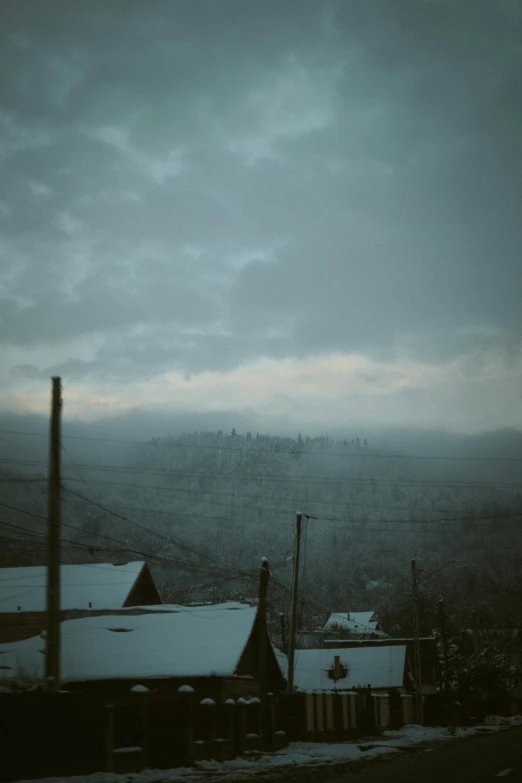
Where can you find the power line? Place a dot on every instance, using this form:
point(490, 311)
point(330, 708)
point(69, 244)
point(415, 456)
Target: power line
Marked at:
point(355, 507)
point(278, 479)
point(23, 511)
point(361, 508)
point(364, 527)
point(229, 506)
point(279, 509)
point(221, 565)
point(275, 450)
point(43, 536)
point(136, 551)
point(314, 480)
point(191, 566)
point(473, 518)
point(147, 555)
point(150, 557)
point(126, 547)
point(18, 480)
point(168, 539)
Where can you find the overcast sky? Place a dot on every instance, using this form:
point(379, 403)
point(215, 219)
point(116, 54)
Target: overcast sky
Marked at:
point(304, 208)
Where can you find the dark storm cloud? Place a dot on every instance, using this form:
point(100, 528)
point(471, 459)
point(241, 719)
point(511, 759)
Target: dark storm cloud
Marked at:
point(153, 155)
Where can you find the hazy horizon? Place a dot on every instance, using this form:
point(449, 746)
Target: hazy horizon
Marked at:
point(145, 425)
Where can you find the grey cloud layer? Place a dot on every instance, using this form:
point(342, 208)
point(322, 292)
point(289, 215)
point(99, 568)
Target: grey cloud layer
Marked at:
point(372, 151)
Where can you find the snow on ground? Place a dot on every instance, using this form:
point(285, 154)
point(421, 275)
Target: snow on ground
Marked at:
point(298, 754)
point(413, 734)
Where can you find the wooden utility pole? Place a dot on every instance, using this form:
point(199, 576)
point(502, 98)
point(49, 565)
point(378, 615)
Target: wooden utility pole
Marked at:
point(283, 632)
point(445, 679)
point(262, 628)
point(266, 728)
point(52, 646)
point(475, 644)
point(293, 616)
point(418, 672)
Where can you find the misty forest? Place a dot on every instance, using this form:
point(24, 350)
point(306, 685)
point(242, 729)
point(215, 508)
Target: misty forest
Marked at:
point(203, 508)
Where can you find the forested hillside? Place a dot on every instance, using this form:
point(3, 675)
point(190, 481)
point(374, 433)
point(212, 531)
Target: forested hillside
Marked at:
point(205, 507)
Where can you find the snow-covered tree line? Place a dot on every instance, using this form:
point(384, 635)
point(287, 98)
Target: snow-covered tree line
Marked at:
point(205, 507)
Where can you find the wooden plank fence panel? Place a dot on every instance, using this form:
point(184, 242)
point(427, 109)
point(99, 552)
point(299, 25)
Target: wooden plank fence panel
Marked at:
point(69, 731)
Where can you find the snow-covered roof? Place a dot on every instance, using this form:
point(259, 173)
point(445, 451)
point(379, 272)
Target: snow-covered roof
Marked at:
point(102, 585)
point(357, 622)
point(180, 642)
point(380, 667)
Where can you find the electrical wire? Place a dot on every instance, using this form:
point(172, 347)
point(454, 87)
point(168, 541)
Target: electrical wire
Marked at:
point(147, 555)
point(168, 539)
point(336, 480)
point(275, 450)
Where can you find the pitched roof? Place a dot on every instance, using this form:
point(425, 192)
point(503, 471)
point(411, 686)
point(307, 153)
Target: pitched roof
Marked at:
point(360, 622)
point(103, 585)
point(176, 642)
point(380, 667)
point(428, 651)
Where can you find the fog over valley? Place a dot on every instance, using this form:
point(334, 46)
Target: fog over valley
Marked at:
point(272, 251)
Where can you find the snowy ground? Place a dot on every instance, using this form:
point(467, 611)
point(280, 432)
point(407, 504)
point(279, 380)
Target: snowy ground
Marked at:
point(297, 755)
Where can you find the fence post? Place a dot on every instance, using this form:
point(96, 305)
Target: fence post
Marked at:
point(309, 699)
point(319, 714)
point(269, 726)
point(186, 718)
point(254, 738)
point(109, 736)
point(240, 732)
point(209, 720)
point(395, 709)
point(230, 720)
point(140, 694)
point(329, 715)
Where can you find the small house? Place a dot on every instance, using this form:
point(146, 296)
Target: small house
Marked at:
point(353, 625)
point(430, 667)
point(85, 590)
point(214, 649)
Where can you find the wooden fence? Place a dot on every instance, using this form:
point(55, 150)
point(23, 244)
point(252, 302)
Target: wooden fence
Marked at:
point(334, 716)
point(79, 733)
point(44, 735)
point(177, 731)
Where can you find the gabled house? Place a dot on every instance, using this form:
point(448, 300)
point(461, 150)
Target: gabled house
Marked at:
point(214, 649)
point(340, 625)
point(430, 667)
point(345, 669)
point(353, 625)
point(85, 589)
